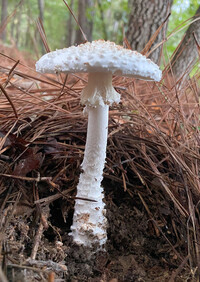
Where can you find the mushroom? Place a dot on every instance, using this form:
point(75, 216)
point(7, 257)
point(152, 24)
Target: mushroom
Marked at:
point(101, 60)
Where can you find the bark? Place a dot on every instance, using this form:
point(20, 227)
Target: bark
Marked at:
point(28, 29)
point(187, 53)
point(105, 35)
point(41, 9)
point(41, 16)
point(145, 18)
point(12, 30)
point(18, 25)
point(85, 22)
point(4, 14)
point(70, 27)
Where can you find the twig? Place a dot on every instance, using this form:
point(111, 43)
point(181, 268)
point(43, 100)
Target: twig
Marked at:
point(44, 214)
point(51, 277)
point(10, 74)
point(38, 179)
point(43, 34)
point(9, 100)
point(2, 276)
point(37, 240)
point(23, 266)
point(57, 267)
point(179, 269)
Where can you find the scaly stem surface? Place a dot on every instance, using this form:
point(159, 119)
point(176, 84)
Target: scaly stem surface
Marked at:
point(89, 221)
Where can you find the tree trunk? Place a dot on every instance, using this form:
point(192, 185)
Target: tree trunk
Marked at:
point(187, 53)
point(41, 9)
point(12, 29)
point(85, 22)
point(28, 29)
point(104, 29)
point(70, 30)
point(18, 25)
point(145, 18)
point(41, 16)
point(4, 14)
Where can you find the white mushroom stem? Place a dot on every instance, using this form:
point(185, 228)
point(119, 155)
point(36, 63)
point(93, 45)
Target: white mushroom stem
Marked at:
point(101, 59)
point(89, 221)
point(99, 90)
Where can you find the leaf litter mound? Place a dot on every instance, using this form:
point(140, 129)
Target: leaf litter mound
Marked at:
point(151, 178)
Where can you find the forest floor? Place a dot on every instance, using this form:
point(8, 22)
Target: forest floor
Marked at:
point(151, 179)
point(134, 252)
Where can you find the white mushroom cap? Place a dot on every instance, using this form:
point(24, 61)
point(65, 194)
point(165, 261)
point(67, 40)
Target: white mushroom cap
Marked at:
point(99, 56)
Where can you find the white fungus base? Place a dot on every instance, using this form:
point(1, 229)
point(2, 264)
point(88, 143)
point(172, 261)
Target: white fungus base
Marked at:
point(89, 221)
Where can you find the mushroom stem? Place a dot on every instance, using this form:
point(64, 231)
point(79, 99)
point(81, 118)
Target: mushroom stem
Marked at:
point(89, 221)
point(99, 90)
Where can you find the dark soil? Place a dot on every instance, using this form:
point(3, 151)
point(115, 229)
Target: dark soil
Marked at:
point(136, 249)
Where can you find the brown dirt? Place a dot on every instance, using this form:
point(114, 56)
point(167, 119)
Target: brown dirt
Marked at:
point(136, 249)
